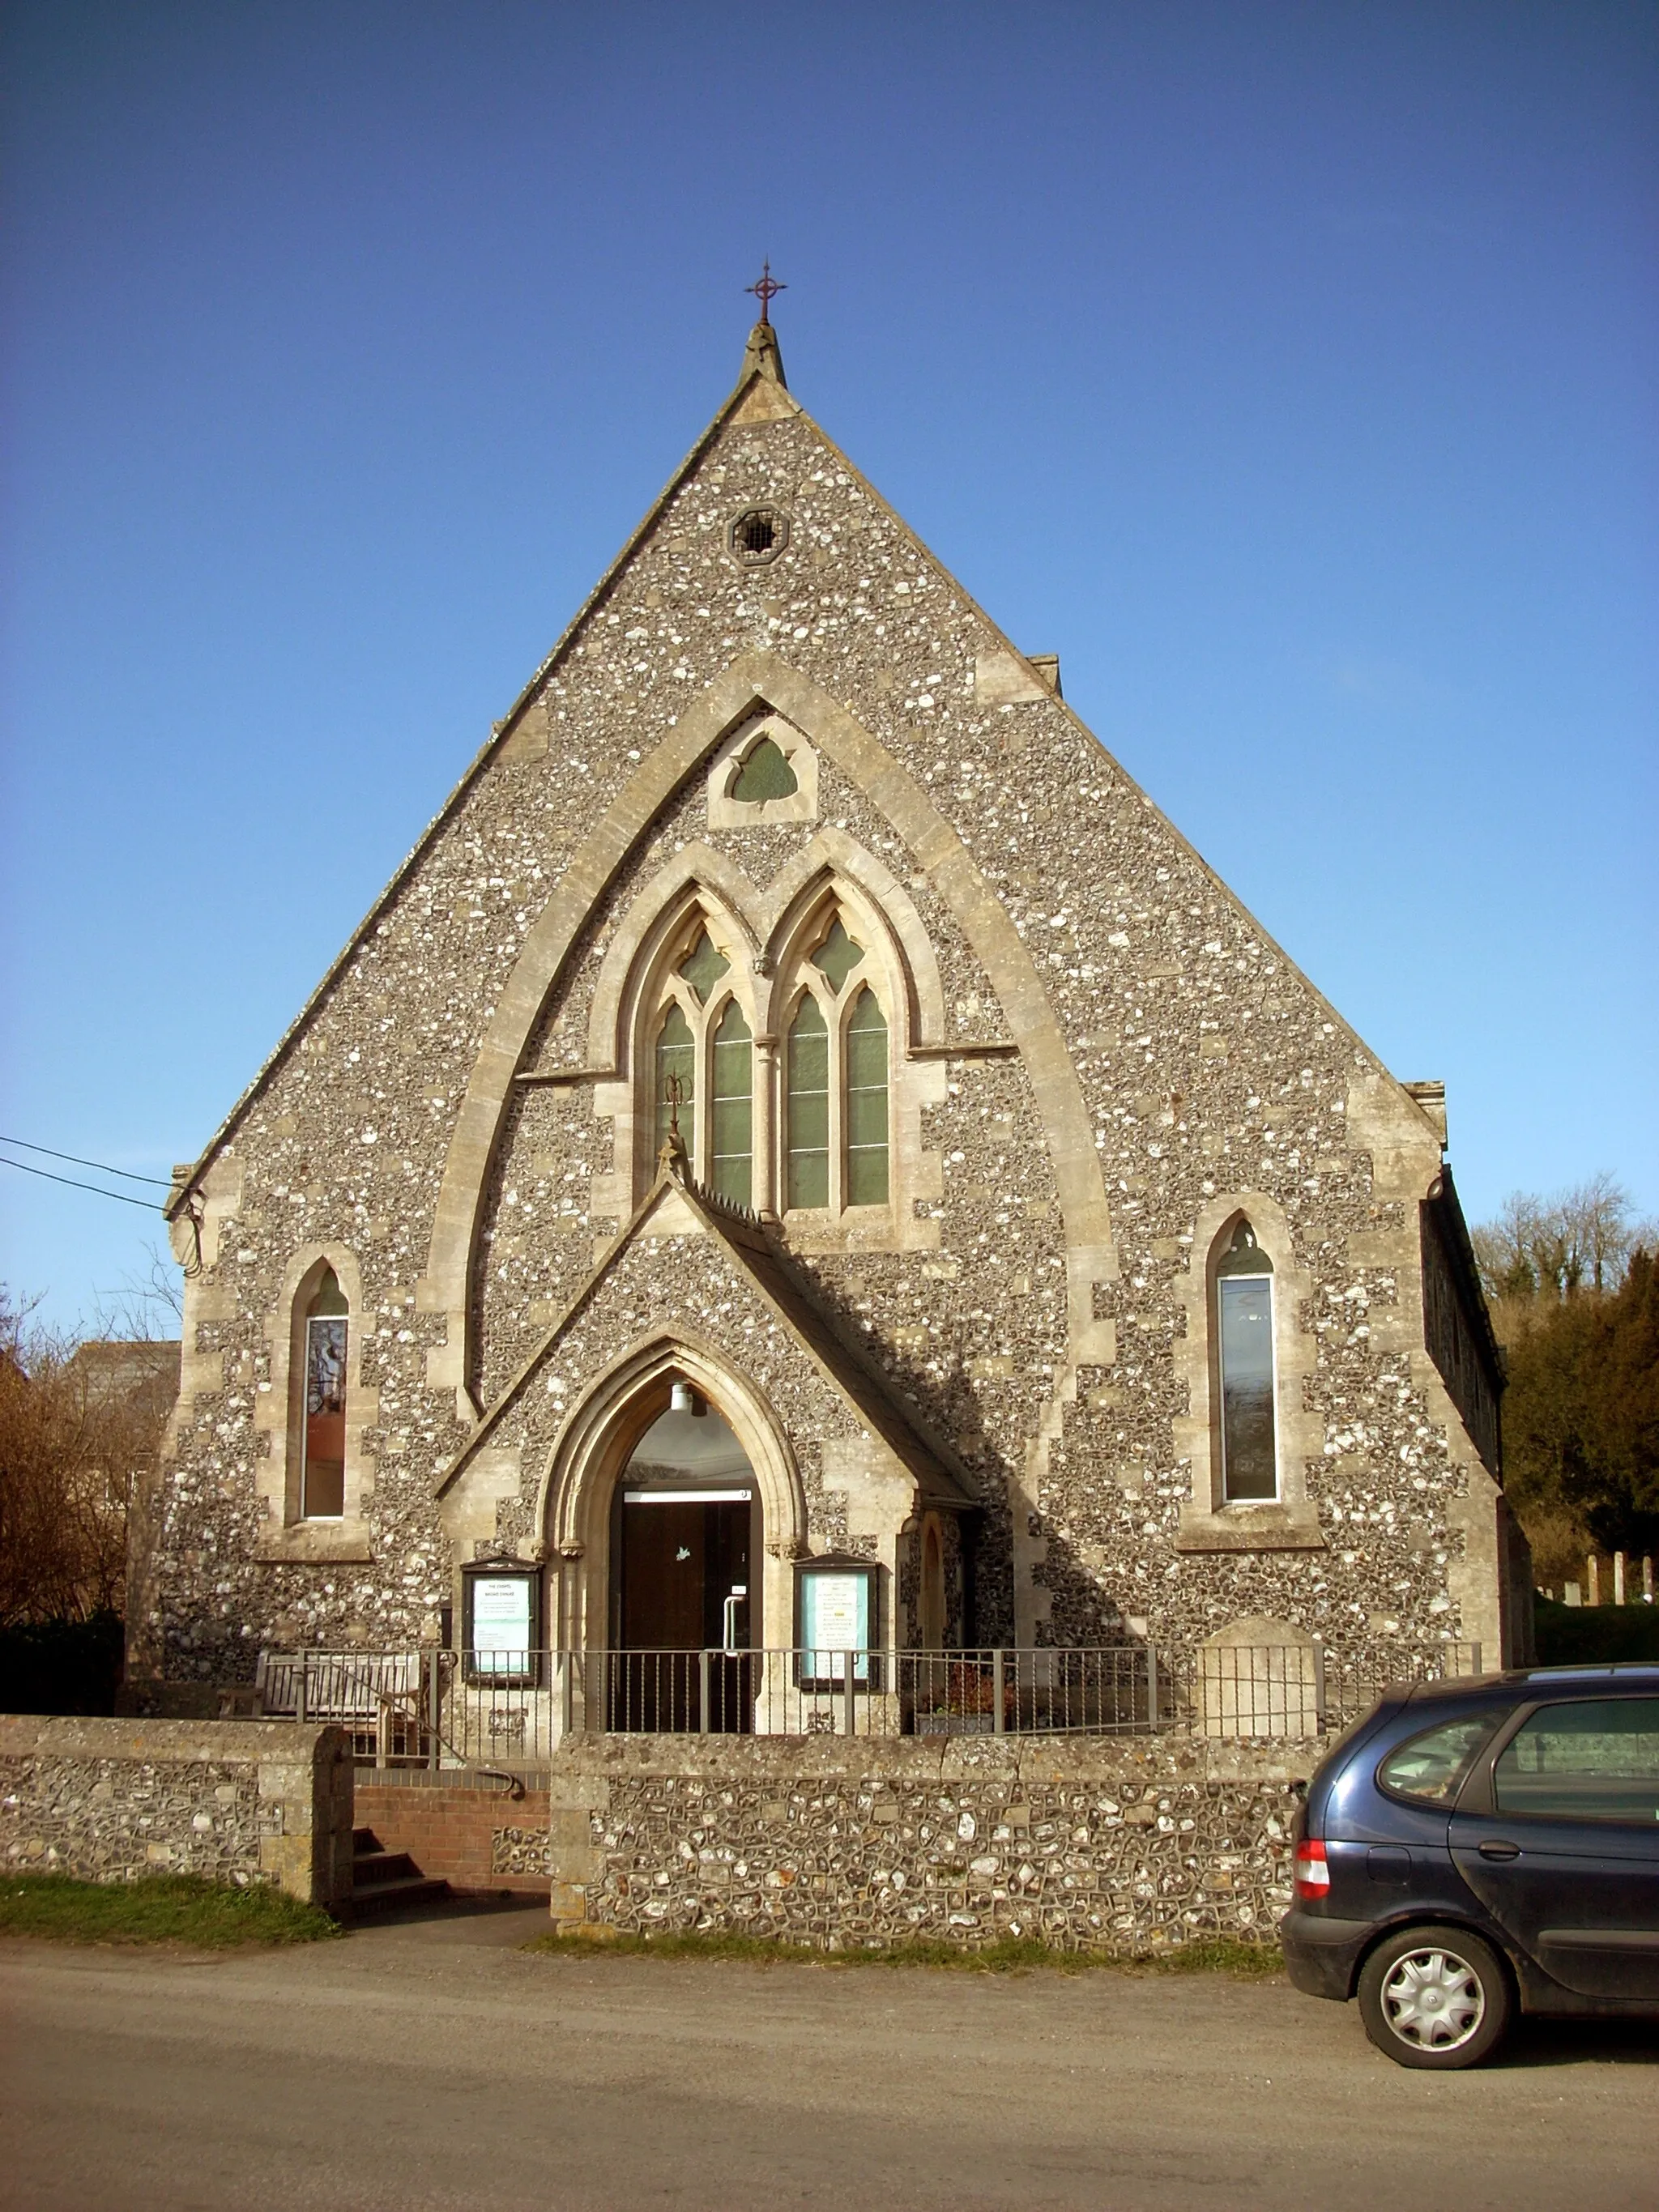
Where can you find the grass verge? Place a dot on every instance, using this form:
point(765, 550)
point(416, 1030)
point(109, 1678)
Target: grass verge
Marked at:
point(158, 1909)
point(1009, 1954)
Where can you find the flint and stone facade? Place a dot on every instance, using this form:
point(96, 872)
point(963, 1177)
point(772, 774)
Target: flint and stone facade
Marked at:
point(779, 718)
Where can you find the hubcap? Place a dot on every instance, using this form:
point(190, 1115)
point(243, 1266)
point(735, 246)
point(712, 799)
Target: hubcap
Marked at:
point(1433, 2000)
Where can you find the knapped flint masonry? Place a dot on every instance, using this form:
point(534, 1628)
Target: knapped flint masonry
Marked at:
point(800, 1098)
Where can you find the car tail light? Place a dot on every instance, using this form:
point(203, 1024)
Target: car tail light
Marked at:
point(1313, 1874)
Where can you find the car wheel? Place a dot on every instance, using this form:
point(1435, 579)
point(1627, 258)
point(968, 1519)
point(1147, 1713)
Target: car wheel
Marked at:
point(1435, 1997)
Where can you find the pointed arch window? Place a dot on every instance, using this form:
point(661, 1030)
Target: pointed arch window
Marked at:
point(835, 1117)
point(700, 1065)
point(323, 1448)
point(1245, 1365)
point(797, 1116)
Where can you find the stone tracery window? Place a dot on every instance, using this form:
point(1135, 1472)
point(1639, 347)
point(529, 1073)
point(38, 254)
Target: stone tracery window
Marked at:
point(780, 1090)
point(702, 1070)
point(836, 1073)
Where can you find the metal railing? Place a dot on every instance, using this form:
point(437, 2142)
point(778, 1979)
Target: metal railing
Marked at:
point(507, 1710)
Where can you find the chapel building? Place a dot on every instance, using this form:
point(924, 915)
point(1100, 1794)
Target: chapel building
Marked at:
point(801, 1101)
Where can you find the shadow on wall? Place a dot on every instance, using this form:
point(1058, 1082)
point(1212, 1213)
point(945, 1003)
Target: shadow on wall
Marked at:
point(1083, 1613)
point(62, 1666)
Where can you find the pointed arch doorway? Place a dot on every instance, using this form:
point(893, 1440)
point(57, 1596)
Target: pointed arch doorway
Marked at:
point(686, 1539)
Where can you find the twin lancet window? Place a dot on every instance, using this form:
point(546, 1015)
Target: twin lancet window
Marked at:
point(1245, 1373)
point(833, 1146)
point(322, 1467)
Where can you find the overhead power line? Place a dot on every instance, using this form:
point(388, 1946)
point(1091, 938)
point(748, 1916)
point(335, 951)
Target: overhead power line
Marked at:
point(74, 1182)
point(76, 1160)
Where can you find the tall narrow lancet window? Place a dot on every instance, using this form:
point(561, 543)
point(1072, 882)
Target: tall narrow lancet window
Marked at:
point(1244, 1342)
point(676, 1062)
point(731, 1122)
point(322, 1474)
point(867, 1102)
point(807, 1118)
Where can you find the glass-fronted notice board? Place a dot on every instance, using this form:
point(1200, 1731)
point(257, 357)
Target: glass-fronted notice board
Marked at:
point(501, 1624)
point(836, 1622)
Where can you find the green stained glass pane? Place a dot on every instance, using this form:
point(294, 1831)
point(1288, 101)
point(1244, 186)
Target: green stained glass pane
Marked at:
point(732, 1109)
point(703, 966)
point(765, 774)
point(867, 1103)
point(676, 1058)
point(838, 955)
point(808, 1107)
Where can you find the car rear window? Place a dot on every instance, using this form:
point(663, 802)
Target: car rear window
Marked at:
point(1429, 1767)
point(1592, 1759)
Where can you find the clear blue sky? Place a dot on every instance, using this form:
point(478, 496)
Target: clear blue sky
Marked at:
point(1289, 369)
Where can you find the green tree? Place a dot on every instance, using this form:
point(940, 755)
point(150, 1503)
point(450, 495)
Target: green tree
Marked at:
point(1580, 1414)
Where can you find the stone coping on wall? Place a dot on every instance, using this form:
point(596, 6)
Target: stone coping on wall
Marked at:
point(921, 1759)
point(233, 1801)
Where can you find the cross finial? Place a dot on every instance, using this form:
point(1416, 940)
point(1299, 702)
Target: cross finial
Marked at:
point(766, 291)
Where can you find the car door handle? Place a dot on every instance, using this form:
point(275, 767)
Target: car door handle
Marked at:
point(1494, 1849)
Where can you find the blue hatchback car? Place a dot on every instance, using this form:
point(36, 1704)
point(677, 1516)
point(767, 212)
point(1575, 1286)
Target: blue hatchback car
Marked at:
point(1474, 1848)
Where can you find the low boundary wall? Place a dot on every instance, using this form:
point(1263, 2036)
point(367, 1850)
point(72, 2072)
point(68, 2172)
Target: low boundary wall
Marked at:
point(1080, 1843)
point(1083, 1844)
point(238, 1802)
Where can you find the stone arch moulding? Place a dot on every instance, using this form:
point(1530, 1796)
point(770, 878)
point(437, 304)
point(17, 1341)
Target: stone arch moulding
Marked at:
point(282, 1534)
point(1290, 1521)
point(763, 918)
point(697, 876)
point(761, 678)
point(593, 1446)
point(834, 863)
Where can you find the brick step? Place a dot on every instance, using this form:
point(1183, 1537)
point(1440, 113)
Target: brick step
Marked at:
point(372, 1869)
point(382, 1881)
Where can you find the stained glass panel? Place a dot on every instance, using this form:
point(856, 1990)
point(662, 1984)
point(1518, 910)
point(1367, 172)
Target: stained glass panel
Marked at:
point(867, 1102)
point(808, 1107)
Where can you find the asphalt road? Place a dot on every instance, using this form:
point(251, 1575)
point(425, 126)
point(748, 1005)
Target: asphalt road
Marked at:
point(437, 2065)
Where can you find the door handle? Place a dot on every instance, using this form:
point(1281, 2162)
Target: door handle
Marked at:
point(729, 1619)
point(1493, 1848)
